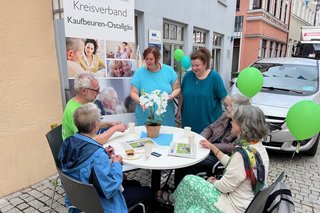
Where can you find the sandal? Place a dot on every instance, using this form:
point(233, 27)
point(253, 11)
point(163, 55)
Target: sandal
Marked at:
point(164, 197)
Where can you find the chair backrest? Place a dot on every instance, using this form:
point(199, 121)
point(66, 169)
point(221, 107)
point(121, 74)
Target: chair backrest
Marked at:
point(55, 141)
point(271, 198)
point(81, 195)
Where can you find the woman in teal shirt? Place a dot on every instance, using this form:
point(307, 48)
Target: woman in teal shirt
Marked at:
point(154, 76)
point(202, 92)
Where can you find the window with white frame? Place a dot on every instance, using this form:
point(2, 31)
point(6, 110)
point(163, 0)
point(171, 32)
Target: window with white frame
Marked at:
point(199, 38)
point(216, 51)
point(238, 25)
point(173, 37)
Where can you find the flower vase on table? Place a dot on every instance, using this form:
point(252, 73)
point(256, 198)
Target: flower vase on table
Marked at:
point(156, 101)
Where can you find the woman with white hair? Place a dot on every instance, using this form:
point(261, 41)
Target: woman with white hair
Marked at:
point(245, 174)
point(84, 159)
point(110, 101)
point(218, 133)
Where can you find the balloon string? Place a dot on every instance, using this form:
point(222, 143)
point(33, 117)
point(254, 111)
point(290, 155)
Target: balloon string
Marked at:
point(296, 151)
point(292, 157)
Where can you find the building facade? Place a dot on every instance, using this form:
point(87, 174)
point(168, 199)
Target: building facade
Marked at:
point(30, 93)
point(188, 25)
point(303, 13)
point(261, 30)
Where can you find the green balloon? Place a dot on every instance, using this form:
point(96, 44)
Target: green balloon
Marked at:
point(303, 119)
point(250, 81)
point(178, 54)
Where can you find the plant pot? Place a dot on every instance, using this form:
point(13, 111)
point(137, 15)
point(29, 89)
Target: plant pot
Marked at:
point(153, 130)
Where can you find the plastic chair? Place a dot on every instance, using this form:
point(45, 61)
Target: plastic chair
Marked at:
point(55, 141)
point(84, 196)
point(81, 195)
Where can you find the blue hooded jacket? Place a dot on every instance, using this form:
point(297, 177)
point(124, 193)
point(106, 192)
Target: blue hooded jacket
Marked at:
point(85, 160)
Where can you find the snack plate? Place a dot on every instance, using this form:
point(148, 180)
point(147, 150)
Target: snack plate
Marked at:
point(132, 157)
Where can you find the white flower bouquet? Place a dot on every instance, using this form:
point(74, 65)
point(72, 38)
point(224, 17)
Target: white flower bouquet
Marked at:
point(157, 102)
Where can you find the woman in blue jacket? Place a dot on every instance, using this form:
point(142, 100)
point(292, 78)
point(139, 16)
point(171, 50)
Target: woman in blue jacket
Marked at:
point(85, 159)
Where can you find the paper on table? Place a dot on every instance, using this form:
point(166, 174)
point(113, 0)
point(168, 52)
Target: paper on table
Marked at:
point(162, 140)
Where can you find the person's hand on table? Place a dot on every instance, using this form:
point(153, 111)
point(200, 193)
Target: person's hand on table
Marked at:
point(115, 123)
point(211, 179)
point(206, 144)
point(121, 127)
point(117, 158)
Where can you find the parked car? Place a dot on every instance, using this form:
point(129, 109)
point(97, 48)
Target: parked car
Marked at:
point(286, 82)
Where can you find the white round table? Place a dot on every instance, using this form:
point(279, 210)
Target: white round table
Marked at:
point(156, 164)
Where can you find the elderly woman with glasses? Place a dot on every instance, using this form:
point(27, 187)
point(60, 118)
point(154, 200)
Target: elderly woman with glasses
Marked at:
point(245, 174)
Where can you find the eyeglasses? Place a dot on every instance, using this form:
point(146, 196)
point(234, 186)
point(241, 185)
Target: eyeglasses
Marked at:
point(95, 90)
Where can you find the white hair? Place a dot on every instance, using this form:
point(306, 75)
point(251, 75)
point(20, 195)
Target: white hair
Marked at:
point(107, 94)
point(85, 117)
point(83, 80)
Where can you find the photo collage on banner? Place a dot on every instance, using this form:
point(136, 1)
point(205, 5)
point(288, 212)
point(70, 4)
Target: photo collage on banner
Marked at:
point(101, 40)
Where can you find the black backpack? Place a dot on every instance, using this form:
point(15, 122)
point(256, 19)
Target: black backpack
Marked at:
point(276, 198)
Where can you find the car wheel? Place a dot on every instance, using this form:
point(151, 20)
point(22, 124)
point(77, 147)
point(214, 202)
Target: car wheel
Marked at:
point(313, 150)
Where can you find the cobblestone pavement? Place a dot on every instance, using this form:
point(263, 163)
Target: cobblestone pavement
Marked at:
point(303, 178)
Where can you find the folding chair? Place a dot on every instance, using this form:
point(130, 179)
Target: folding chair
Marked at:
point(55, 141)
point(82, 196)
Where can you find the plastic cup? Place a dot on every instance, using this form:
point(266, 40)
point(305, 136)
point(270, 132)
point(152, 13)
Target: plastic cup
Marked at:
point(187, 130)
point(191, 139)
point(148, 149)
point(131, 127)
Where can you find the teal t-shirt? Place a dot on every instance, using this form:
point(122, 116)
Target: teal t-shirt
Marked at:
point(163, 80)
point(68, 126)
point(201, 104)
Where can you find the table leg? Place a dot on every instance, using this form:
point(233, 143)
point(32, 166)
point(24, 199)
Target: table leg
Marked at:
point(155, 180)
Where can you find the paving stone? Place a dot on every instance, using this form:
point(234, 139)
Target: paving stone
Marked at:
point(16, 201)
point(6, 208)
point(14, 210)
point(61, 209)
point(61, 201)
point(3, 202)
point(30, 210)
point(47, 192)
point(36, 204)
point(44, 209)
point(22, 206)
point(34, 193)
point(28, 199)
point(44, 199)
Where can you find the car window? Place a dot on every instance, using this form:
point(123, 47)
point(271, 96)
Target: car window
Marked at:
point(289, 77)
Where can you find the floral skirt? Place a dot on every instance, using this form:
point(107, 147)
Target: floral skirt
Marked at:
point(194, 194)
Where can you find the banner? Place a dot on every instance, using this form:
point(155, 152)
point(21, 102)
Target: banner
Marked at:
point(100, 38)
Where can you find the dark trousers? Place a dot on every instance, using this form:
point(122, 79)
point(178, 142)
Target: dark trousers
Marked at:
point(204, 166)
point(134, 193)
